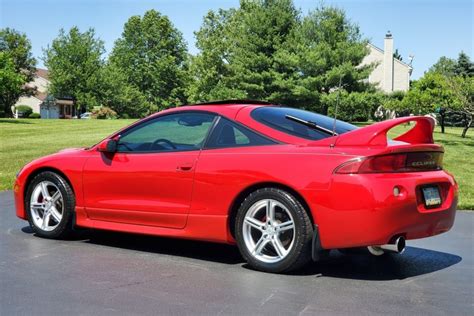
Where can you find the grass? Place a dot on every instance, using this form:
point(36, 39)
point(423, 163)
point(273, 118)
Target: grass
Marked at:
point(24, 140)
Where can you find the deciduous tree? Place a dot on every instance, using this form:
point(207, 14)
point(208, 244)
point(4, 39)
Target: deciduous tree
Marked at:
point(74, 60)
point(152, 55)
point(11, 83)
point(17, 68)
point(121, 96)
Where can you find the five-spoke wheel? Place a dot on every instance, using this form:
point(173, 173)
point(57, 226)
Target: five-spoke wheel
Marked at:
point(46, 205)
point(269, 230)
point(50, 203)
point(273, 231)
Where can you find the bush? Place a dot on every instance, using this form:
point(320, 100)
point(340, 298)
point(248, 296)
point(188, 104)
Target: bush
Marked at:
point(23, 110)
point(353, 107)
point(34, 116)
point(104, 113)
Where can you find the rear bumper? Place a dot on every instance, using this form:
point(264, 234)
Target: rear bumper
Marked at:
point(361, 210)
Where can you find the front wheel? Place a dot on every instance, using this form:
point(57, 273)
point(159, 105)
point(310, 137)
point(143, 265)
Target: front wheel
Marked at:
point(273, 231)
point(50, 204)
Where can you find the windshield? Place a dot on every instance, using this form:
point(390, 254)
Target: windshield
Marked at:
point(278, 118)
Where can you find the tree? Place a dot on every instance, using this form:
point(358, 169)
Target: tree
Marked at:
point(464, 67)
point(11, 82)
point(237, 48)
point(210, 69)
point(322, 54)
point(352, 107)
point(265, 50)
point(152, 55)
point(397, 55)
point(429, 94)
point(18, 67)
point(74, 61)
point(454, 67)
point(127, 101)
point(457, 78)
point(18, 47)
point(463, 89)
point(445, 66)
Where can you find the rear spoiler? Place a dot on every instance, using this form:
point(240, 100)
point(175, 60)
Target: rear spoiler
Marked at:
point(376, 134)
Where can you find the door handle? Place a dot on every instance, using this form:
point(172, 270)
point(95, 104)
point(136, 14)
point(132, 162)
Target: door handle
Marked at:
point(185, 166)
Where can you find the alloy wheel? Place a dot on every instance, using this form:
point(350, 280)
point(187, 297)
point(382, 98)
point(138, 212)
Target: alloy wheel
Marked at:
point(46, 206)
point(268, 231)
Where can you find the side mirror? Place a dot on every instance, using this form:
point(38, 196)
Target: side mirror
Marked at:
point(108, 146)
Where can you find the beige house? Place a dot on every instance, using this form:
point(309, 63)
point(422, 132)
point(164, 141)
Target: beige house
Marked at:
point(55, 108)
point(39, 88)
point(390, 74)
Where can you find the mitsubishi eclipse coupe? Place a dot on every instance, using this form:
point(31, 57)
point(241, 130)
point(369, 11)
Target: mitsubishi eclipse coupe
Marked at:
point(284, 184)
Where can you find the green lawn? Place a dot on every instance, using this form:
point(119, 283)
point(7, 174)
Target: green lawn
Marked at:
point(458, 159)
point(24, 140)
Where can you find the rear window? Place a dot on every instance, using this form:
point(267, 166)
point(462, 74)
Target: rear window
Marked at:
point(276, 118)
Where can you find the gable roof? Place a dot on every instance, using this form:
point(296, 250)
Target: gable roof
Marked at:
point(41, 96)
point(43, 73)
point(396, 59)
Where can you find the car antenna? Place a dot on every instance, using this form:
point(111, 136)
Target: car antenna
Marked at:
point(337, 104)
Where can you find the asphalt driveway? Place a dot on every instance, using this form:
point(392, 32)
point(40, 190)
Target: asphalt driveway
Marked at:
point(111, 273)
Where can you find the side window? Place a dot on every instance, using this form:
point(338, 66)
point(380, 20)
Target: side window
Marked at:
point(174, 132)
point(229, 134)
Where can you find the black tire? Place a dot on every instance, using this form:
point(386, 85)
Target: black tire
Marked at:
point(300, 253)
point(64, 228)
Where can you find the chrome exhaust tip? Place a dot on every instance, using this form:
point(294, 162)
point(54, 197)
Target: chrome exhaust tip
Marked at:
point(397, 247)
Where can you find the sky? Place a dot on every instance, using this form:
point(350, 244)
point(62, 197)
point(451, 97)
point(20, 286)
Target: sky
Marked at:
point(423, 28)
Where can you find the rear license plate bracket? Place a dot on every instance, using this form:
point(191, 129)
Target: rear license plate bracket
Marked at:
point(431, 196)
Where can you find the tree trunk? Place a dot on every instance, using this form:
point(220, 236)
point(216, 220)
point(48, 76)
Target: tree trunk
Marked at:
point(467, 124)
point(9, 113)
point(442, 122)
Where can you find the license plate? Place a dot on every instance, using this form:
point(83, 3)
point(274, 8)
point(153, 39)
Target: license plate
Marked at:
point(431, 196)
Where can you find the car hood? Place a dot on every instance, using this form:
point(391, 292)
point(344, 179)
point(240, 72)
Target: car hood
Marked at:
point(71, 150)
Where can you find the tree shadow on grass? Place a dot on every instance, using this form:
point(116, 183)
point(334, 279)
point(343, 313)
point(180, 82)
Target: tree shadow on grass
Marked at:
point(12, 121)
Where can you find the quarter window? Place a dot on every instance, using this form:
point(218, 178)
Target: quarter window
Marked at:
point(229, 134)
point(174, 132)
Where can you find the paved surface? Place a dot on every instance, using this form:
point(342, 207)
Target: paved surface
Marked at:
point(110, 273)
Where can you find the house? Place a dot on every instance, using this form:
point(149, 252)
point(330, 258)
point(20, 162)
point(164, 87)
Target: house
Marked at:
point(46, 105)
point(390, 74)
point(39, 89)
point(52, 108)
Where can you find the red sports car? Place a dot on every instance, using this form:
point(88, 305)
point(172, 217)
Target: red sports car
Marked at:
point(284, 184)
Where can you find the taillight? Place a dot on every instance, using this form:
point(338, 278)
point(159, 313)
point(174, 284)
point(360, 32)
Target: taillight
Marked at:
point(402, 162)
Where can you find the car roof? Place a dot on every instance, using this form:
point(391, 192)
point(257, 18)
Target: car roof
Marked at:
point(228, 108)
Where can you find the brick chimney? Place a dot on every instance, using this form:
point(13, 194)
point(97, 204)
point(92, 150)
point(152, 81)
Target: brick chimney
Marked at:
point(388, 62)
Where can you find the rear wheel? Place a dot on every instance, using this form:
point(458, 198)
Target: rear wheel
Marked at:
point(50, 203)
point(273, 231)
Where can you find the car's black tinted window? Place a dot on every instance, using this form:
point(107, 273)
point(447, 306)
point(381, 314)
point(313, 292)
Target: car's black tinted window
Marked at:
point(174, 132)
point(229, 134)
point(275, 117)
